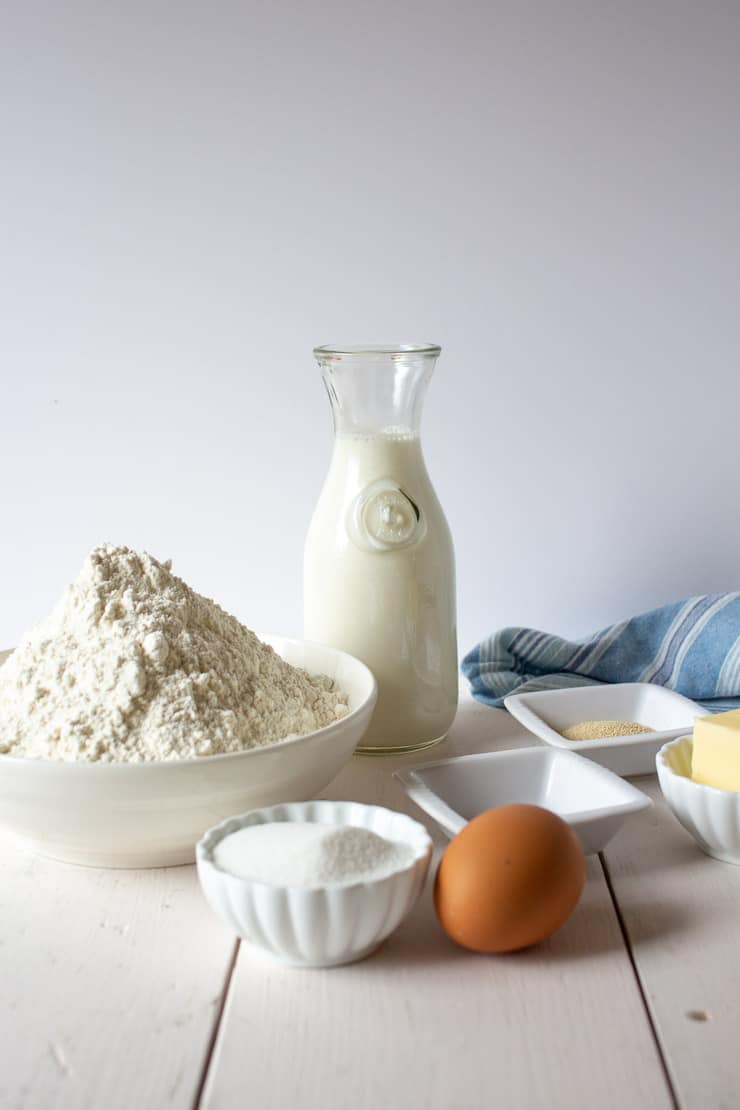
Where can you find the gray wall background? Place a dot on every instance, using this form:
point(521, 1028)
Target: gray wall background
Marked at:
point(194, 194)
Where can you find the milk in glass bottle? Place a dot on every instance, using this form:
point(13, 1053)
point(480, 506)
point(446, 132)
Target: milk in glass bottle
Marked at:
point(379, 571)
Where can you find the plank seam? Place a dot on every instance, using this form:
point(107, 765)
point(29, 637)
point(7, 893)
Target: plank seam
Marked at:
point(631, 956)
point(215, 1028)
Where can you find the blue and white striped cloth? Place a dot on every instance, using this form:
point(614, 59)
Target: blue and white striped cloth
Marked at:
point(692, 647)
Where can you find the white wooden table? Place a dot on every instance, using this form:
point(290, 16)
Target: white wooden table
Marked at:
point(121, 990)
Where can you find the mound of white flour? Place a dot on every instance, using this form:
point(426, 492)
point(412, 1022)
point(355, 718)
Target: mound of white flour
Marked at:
point(134, 665)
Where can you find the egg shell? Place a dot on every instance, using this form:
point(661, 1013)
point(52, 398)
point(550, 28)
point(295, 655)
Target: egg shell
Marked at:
point(509, 879)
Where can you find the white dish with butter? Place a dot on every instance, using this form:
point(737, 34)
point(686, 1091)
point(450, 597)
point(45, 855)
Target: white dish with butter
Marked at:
point(151, 814)
point(710, 814)
point(593, 801)
point(547, 712)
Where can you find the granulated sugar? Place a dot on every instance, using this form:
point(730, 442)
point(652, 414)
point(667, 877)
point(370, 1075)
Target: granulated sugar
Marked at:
point(133, 665)
point(303, 853)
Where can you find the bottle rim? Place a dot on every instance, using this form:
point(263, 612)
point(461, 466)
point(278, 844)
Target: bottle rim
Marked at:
point(338, 350)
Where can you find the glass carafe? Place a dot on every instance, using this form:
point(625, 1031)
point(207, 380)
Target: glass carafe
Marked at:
point(379, 569)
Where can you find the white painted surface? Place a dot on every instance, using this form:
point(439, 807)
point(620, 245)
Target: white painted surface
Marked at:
point(682, 914)
point(111, 984)
point(193, 195)
point(423, 1024)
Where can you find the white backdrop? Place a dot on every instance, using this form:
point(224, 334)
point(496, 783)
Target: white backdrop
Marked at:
point(194, 194)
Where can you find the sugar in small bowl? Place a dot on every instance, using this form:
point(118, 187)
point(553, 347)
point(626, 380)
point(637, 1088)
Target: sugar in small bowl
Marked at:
point(315, 883)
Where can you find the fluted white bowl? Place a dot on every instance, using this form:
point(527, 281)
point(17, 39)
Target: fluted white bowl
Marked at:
point(711, 815)
point(325, 925)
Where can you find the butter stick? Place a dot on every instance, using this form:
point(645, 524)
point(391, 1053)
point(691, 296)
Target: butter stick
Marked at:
point(715, 757)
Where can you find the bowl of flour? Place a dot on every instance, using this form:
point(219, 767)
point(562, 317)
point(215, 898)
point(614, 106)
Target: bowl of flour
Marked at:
point(139, 713)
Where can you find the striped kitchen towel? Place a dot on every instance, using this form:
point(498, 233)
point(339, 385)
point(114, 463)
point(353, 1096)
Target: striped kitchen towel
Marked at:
point(691, 646)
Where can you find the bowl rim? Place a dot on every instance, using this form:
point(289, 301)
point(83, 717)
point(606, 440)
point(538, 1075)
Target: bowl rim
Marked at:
point(663, 766)
point(105, 767)
point(211, 837)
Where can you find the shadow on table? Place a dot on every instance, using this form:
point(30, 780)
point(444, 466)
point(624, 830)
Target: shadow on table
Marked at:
point(592, 932)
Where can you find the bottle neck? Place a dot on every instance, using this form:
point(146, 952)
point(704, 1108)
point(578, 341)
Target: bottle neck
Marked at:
point(377, 391)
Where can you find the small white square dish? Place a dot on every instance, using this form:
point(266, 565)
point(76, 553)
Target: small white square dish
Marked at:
point(591, 799)
point(547, 712)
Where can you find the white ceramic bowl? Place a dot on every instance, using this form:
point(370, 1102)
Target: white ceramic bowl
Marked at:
point(317, 926)
point(593, 801)
point(151, 814)
point(712, 816)
point(546, 712)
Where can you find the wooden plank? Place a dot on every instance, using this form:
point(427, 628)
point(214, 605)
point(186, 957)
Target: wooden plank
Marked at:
point(111, 981)
point(423, 1024)
point(681, 911)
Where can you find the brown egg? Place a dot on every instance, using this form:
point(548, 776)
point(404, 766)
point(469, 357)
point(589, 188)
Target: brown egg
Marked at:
point(509, 879)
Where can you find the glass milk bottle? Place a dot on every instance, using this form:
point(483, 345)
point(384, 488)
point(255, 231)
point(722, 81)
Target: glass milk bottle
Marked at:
point(379, 570)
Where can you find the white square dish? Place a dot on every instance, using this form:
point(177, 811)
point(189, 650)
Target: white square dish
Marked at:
point(592, 800)
point(547, 712)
